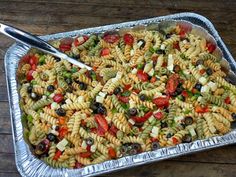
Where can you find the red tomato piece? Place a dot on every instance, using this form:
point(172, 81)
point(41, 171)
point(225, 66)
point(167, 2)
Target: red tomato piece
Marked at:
point(158, 115)
point(143, 118)
point(128, 39)
point(202, 71)
point(62, 132)
point(184, 93)
point(172, 83)
point(154, 139)
point(112, 153)
point(136, 91)
point(210, 47)
point(127, 87)
point(85, 38)
point(200, 109)
point(64, 47)
point(88, 148)
point(100, 131)
point(58, 98)
point(184, 27)
point(101, 121)
point(67, 41)
point(26, 58)
point(123, 99)
point(161, 101)
point(142, 75)
point(194, 91)
point(78, 165)
point(153, 79)
point(175, 140)
point(85, 154)
point(111, 38)
point(29, 76)
point(33, 67)
point(57, 155)
point(61, 120)
point(176, 45)
point(33, 60)
point(105, 51)
point(113, 129)
point(227, 100)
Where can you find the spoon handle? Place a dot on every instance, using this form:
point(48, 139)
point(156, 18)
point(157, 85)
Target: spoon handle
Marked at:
point(34, 41)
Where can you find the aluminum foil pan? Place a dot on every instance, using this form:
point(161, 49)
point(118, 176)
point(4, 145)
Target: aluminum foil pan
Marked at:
point(28, 165)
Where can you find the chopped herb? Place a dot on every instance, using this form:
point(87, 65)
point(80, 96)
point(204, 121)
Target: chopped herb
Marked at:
point(30, 118)
point(126, 93)
point(74, 70)
point(152, 50)
point(143, 108)
point(125, 106)
point(33, 82)
point(114, 111)
point(183, 56)
point(42, 60)
point(140, 66)
point(189, 93)
point(47, 93)
point(187, 111)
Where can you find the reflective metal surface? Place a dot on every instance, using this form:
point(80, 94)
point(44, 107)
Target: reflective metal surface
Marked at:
point(29, 165)
point(31, 40)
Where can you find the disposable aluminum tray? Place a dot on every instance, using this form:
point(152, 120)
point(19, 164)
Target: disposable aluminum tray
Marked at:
point(29, 165)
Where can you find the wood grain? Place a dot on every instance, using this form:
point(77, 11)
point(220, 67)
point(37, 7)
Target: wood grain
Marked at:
point(45, 17)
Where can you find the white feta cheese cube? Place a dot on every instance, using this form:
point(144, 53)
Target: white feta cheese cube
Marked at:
point(192, 132)
point(131, 52)
point(44, 97)
point(54, 105)
point(162, 47)
point(205, 89)
point(93, 148)
point(99, 99)
point(185, 41)
point(170, 62)
point(151, 72)
point(80, 99)
point(102, 94)
point(148, 67)
point(131, 121)
point(62, 144)
point(155, 130)
point(54, 132)
point(212, 85)
point(151, 119)
point(84, 145)
point(178, 119)
point(203, 80)
point(140, 43)
point(134, 71)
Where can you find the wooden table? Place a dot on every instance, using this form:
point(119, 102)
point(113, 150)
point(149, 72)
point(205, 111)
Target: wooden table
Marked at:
point(52, 16)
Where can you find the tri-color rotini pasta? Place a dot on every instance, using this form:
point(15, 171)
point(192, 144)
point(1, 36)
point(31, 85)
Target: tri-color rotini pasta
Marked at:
point(148, 89)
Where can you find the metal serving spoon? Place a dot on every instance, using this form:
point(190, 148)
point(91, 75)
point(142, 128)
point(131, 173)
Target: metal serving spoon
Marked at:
point(31, 40)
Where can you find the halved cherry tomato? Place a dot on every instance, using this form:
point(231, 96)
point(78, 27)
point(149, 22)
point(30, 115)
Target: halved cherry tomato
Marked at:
point(142, 75)
point(29, 76)
point(143, 118)
point(153, 79)
point(57, 155)
point(112, 153)
point(227, 100)
point(93, 130)
point(88, 148)
point(172, 83)
point(26, 58)
point(184, 93)
point(65, 44)
point(111, 38)
point(85, 154)
point(175, 140)
point(78, 165)
point(58, 98)
point(101, 121)
point(128, 39)
point(105, 51)
point(33, 60)
point(62, 132)
point(161, 101)
point(61, 120)
point(202, 71)
point(158, 115)
point(210, 47)
point(200, 109)
point(124, 99)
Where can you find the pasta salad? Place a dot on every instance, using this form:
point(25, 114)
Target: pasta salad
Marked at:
point(148, 89)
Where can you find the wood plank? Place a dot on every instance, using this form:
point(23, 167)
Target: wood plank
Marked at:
point(6, 143)
point(7, 162)
point(10, 174)
point(5, 121)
